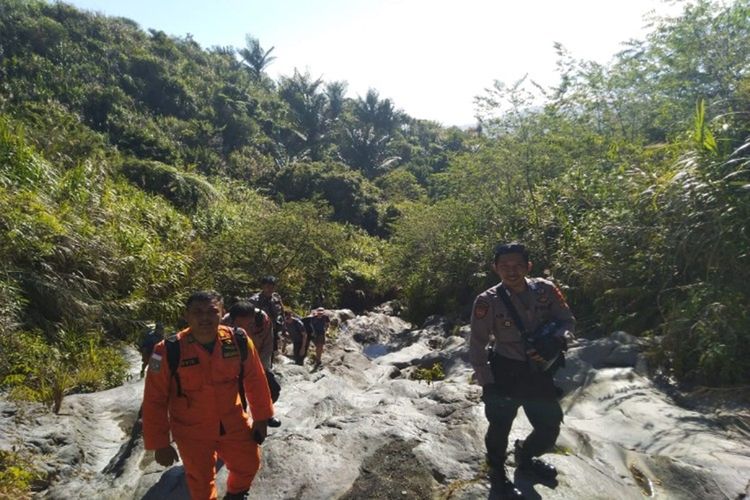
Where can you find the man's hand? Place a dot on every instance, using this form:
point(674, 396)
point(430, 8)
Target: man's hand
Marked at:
point(166, 456)
point(534, 356)
point(259, 430)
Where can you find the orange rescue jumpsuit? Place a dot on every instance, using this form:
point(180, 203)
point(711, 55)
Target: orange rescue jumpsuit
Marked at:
point(208, 419)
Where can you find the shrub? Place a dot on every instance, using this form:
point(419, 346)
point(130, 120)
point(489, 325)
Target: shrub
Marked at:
point(185, 190)
point(431, 374)
point(34, 371)
point(18, 476)
point(707, 340)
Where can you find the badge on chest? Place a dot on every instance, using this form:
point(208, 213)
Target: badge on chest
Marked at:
point(228, 349)
point(189, 362)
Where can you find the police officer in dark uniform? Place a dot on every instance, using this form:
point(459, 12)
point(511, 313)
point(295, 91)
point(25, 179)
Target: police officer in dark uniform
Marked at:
point(270, 302)
point(298, 334)
point(518, 369)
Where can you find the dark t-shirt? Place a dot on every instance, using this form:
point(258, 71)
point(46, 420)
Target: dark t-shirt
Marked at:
point(272, 305)
point(319, 325)
point(295, 329)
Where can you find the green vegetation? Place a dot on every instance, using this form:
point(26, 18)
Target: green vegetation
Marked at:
point(629, 182)
point(18, 476)
point(137, 166)
point(34, 370)
point(431, 374)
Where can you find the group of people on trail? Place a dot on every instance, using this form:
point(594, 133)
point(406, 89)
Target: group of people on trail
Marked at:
point(303, 331)
point(286, 326)
point(209, 388)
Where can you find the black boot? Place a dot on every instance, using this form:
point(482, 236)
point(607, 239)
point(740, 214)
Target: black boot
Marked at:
point(533, 465)
point(503, 486)
point(242, 495)
point(274, 422)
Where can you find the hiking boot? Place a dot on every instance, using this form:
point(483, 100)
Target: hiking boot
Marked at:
point(533, 465)
point(504, 487)
point(242, 495)
point(274, 422)
point(539, 467)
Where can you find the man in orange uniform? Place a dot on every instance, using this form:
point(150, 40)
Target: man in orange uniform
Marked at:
point(201, 406)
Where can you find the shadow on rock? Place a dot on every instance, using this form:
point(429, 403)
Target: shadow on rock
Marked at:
point(393, 471)
point(171, 486)
point(525, 483)
point(116, 466)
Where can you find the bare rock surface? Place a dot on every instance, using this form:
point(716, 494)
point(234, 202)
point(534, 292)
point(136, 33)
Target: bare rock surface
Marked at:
point(362, 427)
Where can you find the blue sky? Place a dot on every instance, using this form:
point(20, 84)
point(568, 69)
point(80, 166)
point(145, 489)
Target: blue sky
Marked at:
point(431, 57)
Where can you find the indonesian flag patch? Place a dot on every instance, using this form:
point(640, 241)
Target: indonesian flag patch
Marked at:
point(154, 364)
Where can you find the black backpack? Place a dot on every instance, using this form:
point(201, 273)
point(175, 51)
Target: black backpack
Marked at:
point(173, 360)
point(148, 342)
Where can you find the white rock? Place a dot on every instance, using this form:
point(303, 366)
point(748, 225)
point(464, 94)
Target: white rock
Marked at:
point(358, 422)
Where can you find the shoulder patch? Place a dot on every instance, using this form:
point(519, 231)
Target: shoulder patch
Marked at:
point(154, 363)
point(480, 309)
point(229, 351)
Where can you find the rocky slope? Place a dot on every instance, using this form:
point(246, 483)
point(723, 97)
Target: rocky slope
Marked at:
point(363, 427)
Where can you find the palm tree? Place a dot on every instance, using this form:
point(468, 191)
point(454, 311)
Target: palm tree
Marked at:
point(336, 93)
point(369, 135)
point(310, 113)
point(255, 58)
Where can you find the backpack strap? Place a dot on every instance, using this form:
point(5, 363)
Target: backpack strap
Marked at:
point(240, 339)
point(504, 295)
point(259, 319)
point(173, 360)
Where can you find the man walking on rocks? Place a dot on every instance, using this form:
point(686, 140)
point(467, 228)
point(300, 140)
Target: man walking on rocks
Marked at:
point(270, 302)
point(196, 383)
point(530, 324)
point(298, 335)
point(317, 326)
point(257, 325)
